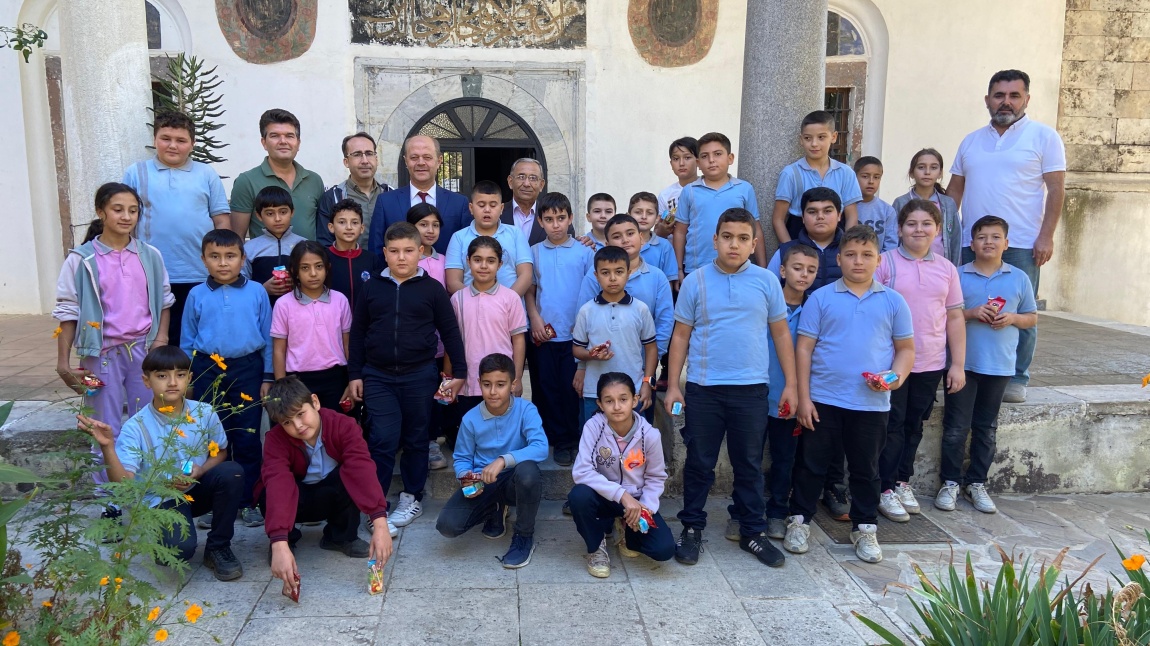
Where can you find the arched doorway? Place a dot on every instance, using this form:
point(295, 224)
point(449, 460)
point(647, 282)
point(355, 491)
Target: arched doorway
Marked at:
point(480, 139)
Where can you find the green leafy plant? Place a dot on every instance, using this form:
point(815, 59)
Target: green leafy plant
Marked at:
point(189, 88)
point(23, 38)
point(1020, 608)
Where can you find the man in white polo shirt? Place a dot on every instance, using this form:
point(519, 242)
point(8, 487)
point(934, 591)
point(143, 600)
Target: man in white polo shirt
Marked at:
point(1014, 168)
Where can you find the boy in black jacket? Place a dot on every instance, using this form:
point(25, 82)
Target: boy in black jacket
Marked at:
point(392, 364)
point(351, 265)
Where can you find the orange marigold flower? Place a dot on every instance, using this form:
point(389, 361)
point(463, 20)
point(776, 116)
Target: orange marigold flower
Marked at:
point(191, 420)
point(219, 361)
point(166, 409)
point(213, 449)
point(104, 581)
point(154, 614)
point(1146, 380)
point(94, 324)
point(1135, 562)
point(161, 635)
point(57, 331)
point(11, 639)
point(189, 498)
point(246, 397)
point(181, 433)
point(193, 613)
point(46, 604)
point(118, 580)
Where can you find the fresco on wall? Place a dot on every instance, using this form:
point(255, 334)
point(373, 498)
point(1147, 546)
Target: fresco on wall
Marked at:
point(673, 33)
point(267, 31)
point(548, 24)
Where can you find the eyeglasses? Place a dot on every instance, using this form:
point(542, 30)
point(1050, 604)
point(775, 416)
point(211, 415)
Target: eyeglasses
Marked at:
point(534, 179)
point(360, 154)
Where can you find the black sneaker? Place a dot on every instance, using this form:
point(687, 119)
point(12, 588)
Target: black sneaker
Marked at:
point(564, 457)
point(763, 550)
point(519, 554)
point(356, 548)
point(689, 545)
point(838, 502)
point(496, 524)
point(566, 508)
point(224, 563)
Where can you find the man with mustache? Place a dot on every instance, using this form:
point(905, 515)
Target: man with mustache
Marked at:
point(1014, 168)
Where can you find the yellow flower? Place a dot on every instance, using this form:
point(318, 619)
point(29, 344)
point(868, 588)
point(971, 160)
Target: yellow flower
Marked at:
point(181, 433)
point(166, 409)
point(191, 420)
point(246, 397)
point(189, 498)
point(219, 361)
point(1135, 562)
point(116, 555)
point(104, 581)
point(57, 331)
point(161, 635)
point(154, 614)
point(46, 604)
point(193, 613)
point(11, 639)
point(94, 325)
point(118, 580)
point(28, 565)
point(213, 449)
point(1146, 381)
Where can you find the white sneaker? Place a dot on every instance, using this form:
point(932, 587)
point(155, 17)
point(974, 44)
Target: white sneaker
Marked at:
point(980, 498)
point(406, 511)
point(391, 528)
point(867, 548)
point(598, 562)
point(1015, 393)
point(621, 541)
point(906, 496)
point(797, 534)
point(947, 496)
point(889, 505)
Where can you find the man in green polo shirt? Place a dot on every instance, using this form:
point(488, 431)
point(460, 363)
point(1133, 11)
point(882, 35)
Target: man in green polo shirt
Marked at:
point(279, 135)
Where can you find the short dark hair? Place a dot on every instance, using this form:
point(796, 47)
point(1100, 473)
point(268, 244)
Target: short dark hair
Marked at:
point(612, 254)
point(919, 204)
point(359, 135)
point(820, 194)
point(642, 196)
point(600, 197)
point(715, 137)
point(553, 201)
point(277, 115)
point(990, 221)
point(422, 210)
point(610, 379)
point(296, 257)
point(690, 144)
point(496, 362)
point(346, 204)
point(867, 160)
point(860, 233)
point(222, 238)
point(401, 231)
point(738, 215)
point(802, 249)
point(173, 119)
point(285, 397)
point(271, 197)
point(617, 220)
point(817, 117)
point(165, 357)
point(485, 242)
point(1008, 76)
point(486, 187)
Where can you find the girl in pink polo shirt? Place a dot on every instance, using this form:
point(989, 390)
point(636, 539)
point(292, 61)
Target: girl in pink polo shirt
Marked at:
point(112, 304)
point(310, 327)
point(931, 287)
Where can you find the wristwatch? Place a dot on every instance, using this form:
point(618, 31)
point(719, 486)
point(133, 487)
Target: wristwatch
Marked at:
point(649, 380)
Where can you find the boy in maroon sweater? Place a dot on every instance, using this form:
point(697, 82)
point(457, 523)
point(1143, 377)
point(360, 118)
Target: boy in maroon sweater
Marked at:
point(316, 468)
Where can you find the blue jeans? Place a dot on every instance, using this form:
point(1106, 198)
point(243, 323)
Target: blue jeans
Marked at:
point(520, 486)
point(1028, 338)
point(398, 416)
point(244, 376)
point(593, 515)
point(738, 414)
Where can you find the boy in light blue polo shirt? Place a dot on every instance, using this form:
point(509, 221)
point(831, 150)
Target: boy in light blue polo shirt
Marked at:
point(816, 134)
point(486, 207)
point(851, 326)
point(559, 264)
point(704, 200)
point(991, 348)
point(725, 312)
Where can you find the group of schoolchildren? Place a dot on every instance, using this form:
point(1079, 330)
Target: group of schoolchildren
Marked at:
point(347, 350)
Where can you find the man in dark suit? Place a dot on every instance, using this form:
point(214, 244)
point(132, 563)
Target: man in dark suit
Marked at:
point(422, 157)
point(526, 182)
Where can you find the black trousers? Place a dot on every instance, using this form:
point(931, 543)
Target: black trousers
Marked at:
point(326, 500)
point(327, 384)
point(553, 366)
point(973, 410)
point(910, 405)
point(176, 312)
point(861, 434)
point(217, 492)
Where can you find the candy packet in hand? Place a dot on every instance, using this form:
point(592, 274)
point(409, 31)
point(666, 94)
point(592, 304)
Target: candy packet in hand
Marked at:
point(881, 380)
point(997, 303)
point(91, 384)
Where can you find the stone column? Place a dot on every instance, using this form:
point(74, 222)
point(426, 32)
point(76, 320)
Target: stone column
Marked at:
point(106, 95)
point(784, 65)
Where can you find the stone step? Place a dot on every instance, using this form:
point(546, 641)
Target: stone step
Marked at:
point(442, 483)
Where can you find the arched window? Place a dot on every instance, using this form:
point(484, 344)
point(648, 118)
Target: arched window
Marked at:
point(843, 38)
point(846, 83)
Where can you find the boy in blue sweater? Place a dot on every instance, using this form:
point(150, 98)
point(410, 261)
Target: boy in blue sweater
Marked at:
point(227, 332)
point(497, 455)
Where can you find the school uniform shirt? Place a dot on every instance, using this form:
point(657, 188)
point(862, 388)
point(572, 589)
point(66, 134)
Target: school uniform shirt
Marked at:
point(149, 435)
point(881, 217)
point(516, 251)
point(829, 270)
point(319, 461)
point(123, 282)
point(613, 465)
point(700, 206)
point(659, 253)
point(265, 252)
point(232, 320)
point(516, 436)
point(778, 379)
point(557, 273)
point(487, 321)
point(649, 286)
point(990, 351)
point(853, 335)
point(730, 317)
point(313, 328)
point(798, 177)
point(627, 324)
point(350, 270)
point(931, 288)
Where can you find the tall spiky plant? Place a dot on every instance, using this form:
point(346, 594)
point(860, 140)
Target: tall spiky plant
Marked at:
point(189, 88)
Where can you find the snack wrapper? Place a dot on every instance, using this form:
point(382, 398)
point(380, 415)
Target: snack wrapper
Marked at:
point(785, 410)
point(881, 380)
point(646, 521)
point(550, 333)
point(997, 303)
point(92, 384)
point(443, 395)
point(667, 216)
point(601, 348)
point(346, 405)
point(677, 408)
point(374, 577)
point(474, 486)
point(280, 273)
point(294, 594)
point(187, 468)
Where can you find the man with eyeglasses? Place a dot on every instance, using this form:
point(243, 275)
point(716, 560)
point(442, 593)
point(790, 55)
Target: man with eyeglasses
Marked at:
point(526, 182)
point(361, 161)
